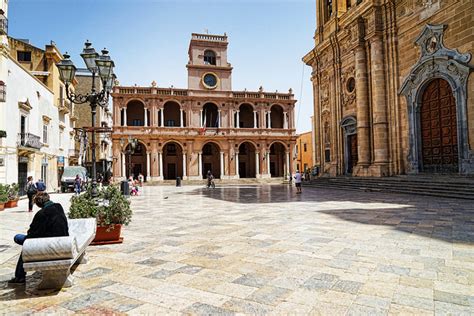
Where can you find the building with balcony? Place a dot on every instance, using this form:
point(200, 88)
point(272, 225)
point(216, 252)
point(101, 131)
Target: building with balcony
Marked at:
point(33, 113)
point(391, 82)
point(187, 132)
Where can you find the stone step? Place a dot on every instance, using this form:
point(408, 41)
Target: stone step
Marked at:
point(459, 188)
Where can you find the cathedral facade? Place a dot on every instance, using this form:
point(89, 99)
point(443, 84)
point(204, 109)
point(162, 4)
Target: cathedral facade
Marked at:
point(393, 87)
point(207, 127)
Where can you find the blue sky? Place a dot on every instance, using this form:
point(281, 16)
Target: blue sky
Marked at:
point(148, 39)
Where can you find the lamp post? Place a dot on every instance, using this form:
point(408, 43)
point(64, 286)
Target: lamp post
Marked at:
point(101, 65)
point(133, 145)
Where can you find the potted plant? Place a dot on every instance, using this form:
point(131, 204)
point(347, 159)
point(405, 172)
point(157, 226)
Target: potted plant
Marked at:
point(13, 195)
point(3, 195)
point(110, 208)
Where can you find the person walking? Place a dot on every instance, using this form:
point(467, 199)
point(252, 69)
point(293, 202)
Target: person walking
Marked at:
point(50, 221)
point(210, 180)
point(41, 186)
point(298, 182)
point(141, 178)
point(31, 190)
point(77, 184)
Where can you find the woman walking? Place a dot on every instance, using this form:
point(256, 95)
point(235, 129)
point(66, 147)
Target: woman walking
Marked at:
point(30, 189)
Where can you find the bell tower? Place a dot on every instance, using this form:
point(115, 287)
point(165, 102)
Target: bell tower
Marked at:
point(208, 68)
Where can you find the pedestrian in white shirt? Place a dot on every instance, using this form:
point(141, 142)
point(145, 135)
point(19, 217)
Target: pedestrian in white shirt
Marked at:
point(298, 181)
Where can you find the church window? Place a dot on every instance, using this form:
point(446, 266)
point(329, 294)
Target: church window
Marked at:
point(209, 57)
point(350, 85)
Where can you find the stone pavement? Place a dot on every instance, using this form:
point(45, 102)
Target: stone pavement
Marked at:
point(265, 250)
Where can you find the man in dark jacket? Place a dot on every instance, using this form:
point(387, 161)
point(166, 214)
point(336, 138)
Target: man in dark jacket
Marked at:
point(50, 221)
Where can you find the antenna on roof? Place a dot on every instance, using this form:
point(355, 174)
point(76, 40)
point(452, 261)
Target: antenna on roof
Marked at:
point(206, 31)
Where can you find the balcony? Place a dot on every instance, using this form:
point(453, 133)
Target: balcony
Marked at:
point(29, 140)
point(73, 153)
point(64, 106)
point(3, 25)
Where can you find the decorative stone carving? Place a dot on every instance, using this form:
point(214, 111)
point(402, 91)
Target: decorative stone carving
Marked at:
point(437, 61)
point(348, 96)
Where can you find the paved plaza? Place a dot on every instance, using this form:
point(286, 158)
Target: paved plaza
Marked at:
point(265, 250)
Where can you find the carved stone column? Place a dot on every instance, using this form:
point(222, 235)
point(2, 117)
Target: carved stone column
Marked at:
point(379, 111)
point(363, 114)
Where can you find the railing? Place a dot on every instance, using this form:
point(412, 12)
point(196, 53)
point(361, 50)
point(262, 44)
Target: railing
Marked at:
point(64, 105)
point(207, 37)
point(3, 25)
point(184, 92)
point(29, 140)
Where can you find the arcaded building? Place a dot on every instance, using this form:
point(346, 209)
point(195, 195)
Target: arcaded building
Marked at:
point(186, 132)
point(393, 87)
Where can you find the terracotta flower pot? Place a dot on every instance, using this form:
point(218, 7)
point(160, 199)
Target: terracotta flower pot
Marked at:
point(2, 206)
point(102, 236)
point(12, 203)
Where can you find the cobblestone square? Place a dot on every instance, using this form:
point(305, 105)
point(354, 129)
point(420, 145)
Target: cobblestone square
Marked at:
point(265, 250)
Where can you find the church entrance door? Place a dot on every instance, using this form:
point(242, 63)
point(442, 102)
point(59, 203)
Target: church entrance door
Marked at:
point(439, 128)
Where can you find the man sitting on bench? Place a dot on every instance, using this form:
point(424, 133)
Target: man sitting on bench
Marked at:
point(50, 221)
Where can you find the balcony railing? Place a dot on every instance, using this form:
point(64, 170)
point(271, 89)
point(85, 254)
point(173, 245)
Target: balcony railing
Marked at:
point(64, 105)
point(184, 92)
point(29, 140)
point(3, 25)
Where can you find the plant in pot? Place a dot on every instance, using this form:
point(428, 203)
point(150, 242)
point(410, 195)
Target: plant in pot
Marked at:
point(3, 195)
point(13, 195)
point(110, 208)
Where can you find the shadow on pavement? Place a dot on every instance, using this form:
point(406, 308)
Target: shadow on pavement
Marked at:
point(445, 219)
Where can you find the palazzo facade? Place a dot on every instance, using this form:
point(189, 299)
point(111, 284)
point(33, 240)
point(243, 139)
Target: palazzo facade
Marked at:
point(187, 132)
point(390, 83)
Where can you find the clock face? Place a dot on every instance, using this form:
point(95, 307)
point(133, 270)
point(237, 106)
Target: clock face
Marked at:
point(210, 80)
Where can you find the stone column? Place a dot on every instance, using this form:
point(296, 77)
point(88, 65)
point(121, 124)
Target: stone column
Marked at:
point(184, 166)
point(125, 117)
point(267, 154)
point(237, 174)
point(269, 119)
point(257, 164)
point(287, 164)
point(222, 165)
point(148, 166)
point(160, 159)
point(285, 120)
point(162, 116)
point(200, 164)
point(379, 112)
point(254, 119)
point(218, 118)
point(363, 119)
point(200, 119)
point(181, 117)
point(237, 120)
point(146, 117)
point(124, 162)
point(154, 162)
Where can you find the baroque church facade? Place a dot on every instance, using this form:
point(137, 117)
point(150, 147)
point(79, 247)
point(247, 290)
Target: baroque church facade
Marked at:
point(207, 127)
point(393, 87)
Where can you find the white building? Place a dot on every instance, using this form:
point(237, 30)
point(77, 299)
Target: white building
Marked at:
point(37, 123)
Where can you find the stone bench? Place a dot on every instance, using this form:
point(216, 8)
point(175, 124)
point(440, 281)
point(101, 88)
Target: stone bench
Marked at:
point(54, 256)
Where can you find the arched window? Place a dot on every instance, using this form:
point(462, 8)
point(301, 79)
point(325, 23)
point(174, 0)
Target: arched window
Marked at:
point(209, 57)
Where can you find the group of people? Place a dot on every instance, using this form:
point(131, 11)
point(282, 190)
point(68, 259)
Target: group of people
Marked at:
point(133, 184)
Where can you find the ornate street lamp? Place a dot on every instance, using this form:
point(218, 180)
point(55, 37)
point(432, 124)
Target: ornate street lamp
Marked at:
point(96, 64)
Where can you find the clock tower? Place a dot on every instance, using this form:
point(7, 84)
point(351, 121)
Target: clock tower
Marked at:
point(208, 68)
